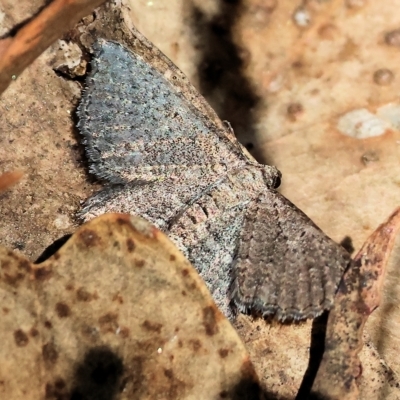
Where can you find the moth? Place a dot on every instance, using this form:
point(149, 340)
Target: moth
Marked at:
point(165, 156)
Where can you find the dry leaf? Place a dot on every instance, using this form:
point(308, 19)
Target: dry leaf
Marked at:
point(116, 310)
point(358, 296)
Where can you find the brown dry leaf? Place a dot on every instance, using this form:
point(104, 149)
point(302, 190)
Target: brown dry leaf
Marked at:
point(117, 309)
point(279, 353)
point(359, 294)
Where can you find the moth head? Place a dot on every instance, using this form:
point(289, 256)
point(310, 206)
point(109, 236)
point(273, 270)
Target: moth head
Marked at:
point(272, 176)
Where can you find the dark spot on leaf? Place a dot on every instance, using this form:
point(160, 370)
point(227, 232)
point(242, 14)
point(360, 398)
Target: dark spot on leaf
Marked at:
point(123, 221)
point(172, 257)
point(89, 237)
point(392, 38)
point(34, 332)
point(124, 332)
point(98, 376)
point(117, 297)
point(139, 263)
point(176, 387)
point(196, 344)
point(63, 310)
point(21, 338)
point(42, 273)
point(6, 310)
point(89, 331)
point(57, 391)
point(185, 272)
point(210, 321)
point(152, 326)
point(69, 286)
point(130, 245)
point(59, 384)
point(109, 322)
point(168, 373)
point(48, 324)
point(383, 77)
point(136, 379)
point(50, 353)
point(49, 391)
point(83, 295)
point(223, 352)
point(13, 280)
point(294, 110)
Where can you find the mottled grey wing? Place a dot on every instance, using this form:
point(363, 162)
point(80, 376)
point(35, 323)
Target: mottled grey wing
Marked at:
point(285, 265)
point(137, 127)
point(209, 242)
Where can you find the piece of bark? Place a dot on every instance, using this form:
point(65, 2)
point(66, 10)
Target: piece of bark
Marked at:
point(38, 33)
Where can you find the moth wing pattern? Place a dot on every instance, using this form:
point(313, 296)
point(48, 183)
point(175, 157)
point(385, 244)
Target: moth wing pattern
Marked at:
point(138, 129)
point(285, 265)
point(140, 45)
point(161, 148)
point(210, 245)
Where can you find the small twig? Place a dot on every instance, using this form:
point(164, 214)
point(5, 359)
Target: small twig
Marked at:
point(19, 51)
